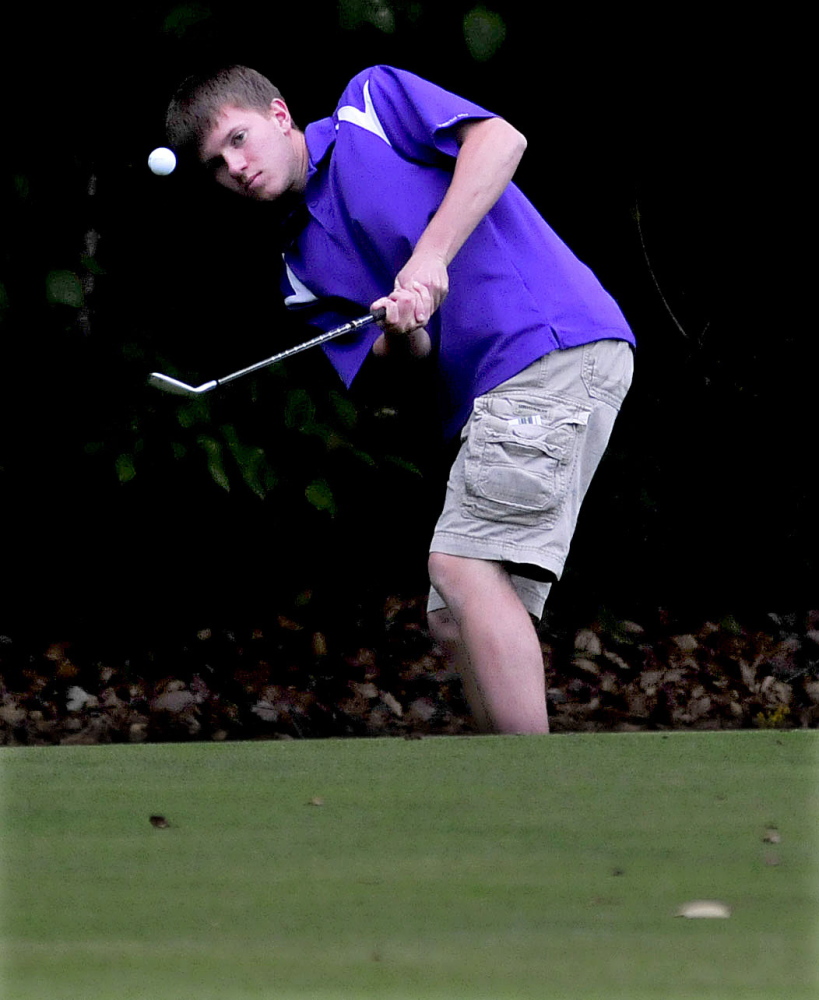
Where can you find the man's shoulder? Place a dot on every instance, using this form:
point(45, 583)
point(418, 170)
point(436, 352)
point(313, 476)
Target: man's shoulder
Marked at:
point(382, 71)
point(383, 76)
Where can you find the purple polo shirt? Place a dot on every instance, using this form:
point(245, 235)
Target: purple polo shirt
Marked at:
point(378, 169)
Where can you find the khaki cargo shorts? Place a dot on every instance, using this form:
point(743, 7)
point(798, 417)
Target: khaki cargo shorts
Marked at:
point(528, 453)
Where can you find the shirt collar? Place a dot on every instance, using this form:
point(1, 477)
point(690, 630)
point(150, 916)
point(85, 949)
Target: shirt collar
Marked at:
point(319, 137)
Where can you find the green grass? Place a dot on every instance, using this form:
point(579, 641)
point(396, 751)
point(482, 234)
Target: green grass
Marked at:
point(448, 869)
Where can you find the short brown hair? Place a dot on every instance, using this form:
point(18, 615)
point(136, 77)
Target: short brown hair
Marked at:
point(195, 106)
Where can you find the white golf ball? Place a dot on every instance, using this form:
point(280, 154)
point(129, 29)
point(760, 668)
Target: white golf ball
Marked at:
point(162, 161)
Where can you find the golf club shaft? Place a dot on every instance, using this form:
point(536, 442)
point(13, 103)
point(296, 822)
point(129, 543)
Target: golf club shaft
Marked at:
point(172, 385)
point(322, 338)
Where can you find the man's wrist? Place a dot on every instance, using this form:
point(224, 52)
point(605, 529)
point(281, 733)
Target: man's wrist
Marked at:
point(414, 344)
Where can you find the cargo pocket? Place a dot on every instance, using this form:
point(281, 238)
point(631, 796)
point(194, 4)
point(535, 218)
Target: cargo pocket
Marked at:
point(519, 459)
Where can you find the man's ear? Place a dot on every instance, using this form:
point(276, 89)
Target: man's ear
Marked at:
point(280, 112)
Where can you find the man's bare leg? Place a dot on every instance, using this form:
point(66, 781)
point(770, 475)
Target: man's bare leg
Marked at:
point(446, 633)
point(489, 637)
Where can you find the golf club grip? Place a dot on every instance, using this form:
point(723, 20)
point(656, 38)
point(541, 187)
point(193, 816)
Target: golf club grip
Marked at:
point(322, 338)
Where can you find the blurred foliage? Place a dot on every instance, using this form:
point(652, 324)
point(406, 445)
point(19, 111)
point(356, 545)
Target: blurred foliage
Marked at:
point(484, 31)
point(272, 439)
point(180, 20)
point(378, 13)
point(278, 430)
point(64, 288)
point(776, 718)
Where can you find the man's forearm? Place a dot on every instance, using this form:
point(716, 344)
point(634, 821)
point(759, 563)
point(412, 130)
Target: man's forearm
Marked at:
point(490, 152)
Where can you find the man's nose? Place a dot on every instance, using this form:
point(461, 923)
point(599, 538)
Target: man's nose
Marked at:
point(236, 162)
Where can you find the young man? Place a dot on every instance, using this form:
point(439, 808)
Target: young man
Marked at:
point(403, 200)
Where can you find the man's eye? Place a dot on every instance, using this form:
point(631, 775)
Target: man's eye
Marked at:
point(239, 138)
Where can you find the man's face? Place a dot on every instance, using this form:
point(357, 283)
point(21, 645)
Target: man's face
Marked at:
point(258, 156)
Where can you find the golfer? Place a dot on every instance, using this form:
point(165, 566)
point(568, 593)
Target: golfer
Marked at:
point(403, 199)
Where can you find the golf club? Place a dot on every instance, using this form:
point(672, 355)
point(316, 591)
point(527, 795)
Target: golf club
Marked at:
point(173, 385)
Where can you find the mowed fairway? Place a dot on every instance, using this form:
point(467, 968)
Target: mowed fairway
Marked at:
point(499, 868)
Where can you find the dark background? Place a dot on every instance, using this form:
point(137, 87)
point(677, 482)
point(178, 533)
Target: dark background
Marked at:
point(665, 148)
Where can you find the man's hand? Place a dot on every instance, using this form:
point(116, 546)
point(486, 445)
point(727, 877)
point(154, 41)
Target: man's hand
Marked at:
point(419, 289)
point(426, 274)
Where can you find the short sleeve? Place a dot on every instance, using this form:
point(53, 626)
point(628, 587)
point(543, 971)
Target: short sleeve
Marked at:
point(416, 117)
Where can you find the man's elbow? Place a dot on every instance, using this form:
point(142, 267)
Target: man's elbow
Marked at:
point(519, 140)
point(514, 141)
point(495, 137)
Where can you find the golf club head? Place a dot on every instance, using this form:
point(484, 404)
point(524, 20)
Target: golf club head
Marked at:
point(168, 384)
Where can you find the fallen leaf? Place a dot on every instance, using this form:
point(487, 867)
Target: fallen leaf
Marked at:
point(317, 801)
point(687, 643)
point(77, 699)
point(365, 690)
point(588, 666)
point(173, 700)
point(588, 641)
point(12, 714)
point(772, 836)
point(392, 703)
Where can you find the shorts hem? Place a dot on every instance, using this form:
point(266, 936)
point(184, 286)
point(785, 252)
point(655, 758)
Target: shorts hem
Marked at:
point(532, 595)
point(476, 548)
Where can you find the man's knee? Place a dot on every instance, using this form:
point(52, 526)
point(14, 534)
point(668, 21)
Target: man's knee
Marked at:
point(456, 578)
point(459, 578)
point(441, 568)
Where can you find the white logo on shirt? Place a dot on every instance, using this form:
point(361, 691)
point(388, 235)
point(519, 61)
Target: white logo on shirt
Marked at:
point(366, 119)
point(301, 293)
point(455, 118)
